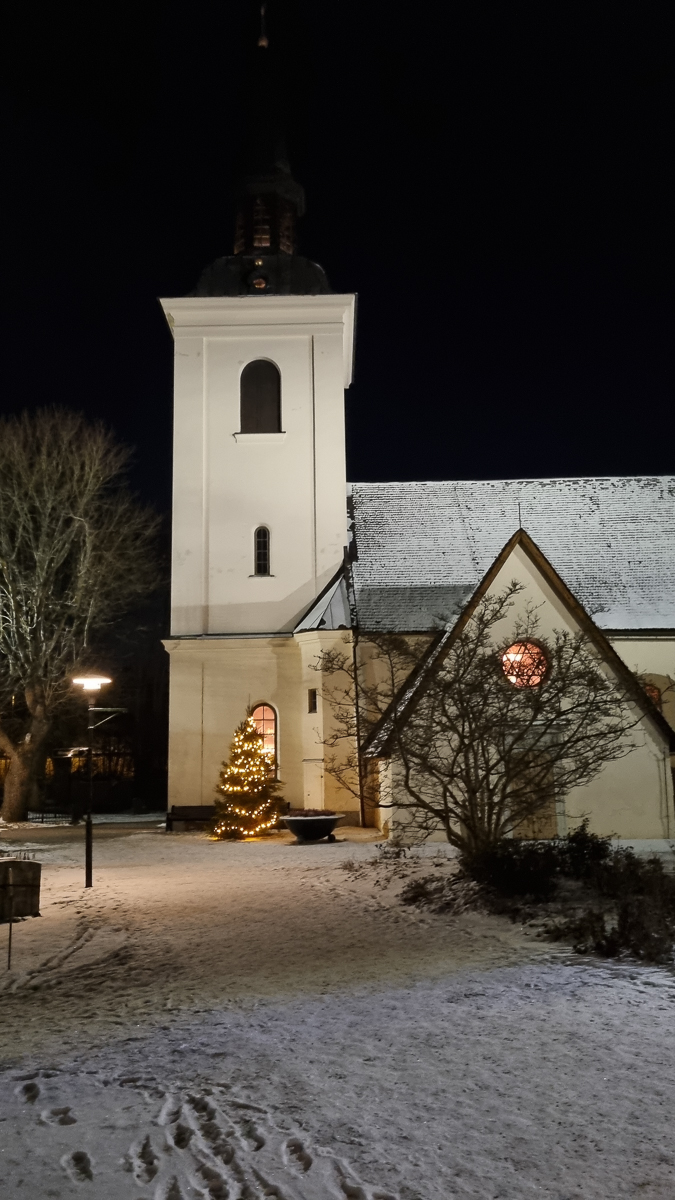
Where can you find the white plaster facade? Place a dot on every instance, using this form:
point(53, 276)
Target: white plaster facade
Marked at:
point(226, 484)
point(232, 641)
point(632, 797)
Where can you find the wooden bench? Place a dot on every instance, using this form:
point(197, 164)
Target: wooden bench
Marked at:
point(183, 815)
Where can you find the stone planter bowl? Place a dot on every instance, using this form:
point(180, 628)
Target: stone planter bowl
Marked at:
point(313, 829)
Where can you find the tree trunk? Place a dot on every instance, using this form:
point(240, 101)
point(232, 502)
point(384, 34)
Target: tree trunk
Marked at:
point(24, 765)
point(18, 786)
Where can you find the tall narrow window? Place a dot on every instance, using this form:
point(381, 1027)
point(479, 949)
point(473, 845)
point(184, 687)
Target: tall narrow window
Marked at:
point(311, 700)
point(260, 397)
point(266, 723)
point(262, 551)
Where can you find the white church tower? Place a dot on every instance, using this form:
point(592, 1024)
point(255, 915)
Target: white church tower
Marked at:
point(263, 354)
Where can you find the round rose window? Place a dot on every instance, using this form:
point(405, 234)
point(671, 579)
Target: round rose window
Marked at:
point(524, 664)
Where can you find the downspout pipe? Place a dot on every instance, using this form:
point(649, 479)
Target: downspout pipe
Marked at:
point(351, 594)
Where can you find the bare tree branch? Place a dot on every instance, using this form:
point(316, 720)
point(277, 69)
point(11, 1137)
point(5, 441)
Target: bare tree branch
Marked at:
point(75, 552)
point(473, 754)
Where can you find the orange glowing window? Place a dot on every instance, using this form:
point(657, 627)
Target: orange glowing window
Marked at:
point(266, 723)
point(524, 664)
point(654, 694)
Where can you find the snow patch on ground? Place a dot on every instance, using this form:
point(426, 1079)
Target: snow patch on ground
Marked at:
point(256, 1020)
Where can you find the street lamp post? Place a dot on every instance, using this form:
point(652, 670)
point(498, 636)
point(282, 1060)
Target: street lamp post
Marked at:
point(91, 685)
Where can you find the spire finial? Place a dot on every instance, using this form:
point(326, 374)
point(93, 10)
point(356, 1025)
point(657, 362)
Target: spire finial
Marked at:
point(263, 40)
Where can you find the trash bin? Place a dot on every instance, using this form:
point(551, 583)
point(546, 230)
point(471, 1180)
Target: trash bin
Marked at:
point(25, 878)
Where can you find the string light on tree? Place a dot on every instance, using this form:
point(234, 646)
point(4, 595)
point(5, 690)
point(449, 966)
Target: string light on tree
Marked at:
point(247, 804)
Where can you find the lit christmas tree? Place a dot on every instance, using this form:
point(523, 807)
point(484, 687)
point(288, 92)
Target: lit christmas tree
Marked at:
point(247, 804)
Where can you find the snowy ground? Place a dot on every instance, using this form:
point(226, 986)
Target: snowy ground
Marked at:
point(233, 1021)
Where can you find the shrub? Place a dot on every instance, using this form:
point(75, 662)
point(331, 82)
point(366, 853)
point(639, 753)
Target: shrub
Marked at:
point(643, 928)
point(626, 874)
point(581, 853)
point(635, 898)
point(421, 891)
point(445, 894)
point(516, 867)
point(587, 933)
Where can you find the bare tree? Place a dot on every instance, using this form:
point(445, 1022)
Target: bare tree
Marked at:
point(475, 755)
point(359, 684)
point(76, 550)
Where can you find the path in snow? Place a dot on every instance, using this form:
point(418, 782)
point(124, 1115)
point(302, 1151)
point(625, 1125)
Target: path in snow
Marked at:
point(227, 1022)
point(180, 922)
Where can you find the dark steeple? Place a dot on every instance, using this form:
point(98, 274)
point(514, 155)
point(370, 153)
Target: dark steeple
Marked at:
point(269, 203)
point(269, 200)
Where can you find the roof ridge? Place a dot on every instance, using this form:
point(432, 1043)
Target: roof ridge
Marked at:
point(519, 479)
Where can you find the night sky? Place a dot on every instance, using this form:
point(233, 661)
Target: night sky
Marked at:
point(495, 181)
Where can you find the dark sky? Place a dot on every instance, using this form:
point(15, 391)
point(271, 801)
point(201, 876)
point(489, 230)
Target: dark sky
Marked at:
point(495, 181)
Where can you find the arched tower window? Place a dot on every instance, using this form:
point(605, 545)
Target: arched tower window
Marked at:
point(266, 723)
point(262, 551)
point(260, 397)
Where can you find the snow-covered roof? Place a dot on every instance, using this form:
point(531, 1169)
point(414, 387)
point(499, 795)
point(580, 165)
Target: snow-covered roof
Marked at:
point(423, 547)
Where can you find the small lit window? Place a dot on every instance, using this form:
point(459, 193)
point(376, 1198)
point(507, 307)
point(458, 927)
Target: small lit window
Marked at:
point(654, 694)
point(262, 551)
point(266, 723)
point(311, 700)
point(525, 664)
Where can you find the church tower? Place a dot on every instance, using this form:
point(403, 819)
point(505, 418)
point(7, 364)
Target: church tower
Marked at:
point(263, 354)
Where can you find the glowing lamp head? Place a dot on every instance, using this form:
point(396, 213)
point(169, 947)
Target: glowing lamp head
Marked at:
point(91, 683)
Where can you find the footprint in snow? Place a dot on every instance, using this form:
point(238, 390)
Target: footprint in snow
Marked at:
point(182, 1136)
point(352, 1190)
point(78, 1166)
point(199, 1134)
point(198, 1111)
point(296, 1155)
point(172, 1192)
point(58, 1116)
point(217, 1185)
point(170, 1111)
point(270, 1190)
point(143, 1161)
point(251, 1136)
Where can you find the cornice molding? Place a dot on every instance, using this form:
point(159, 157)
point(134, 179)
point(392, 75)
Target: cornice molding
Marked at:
point(210, 316)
